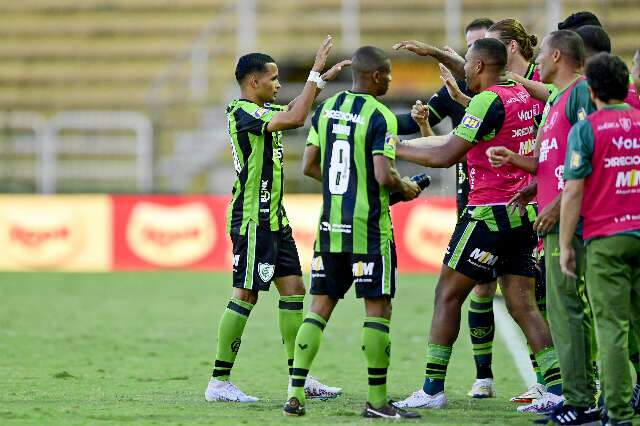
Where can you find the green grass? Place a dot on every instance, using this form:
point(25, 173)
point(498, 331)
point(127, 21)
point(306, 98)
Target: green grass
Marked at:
point(138, 348)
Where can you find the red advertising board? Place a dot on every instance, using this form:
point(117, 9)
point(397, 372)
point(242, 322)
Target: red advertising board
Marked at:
point(173, 232)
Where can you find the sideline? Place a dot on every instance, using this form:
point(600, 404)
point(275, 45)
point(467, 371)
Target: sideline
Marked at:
point(514, 340)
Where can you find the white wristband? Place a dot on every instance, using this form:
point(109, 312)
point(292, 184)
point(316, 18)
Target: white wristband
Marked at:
point(315, 77)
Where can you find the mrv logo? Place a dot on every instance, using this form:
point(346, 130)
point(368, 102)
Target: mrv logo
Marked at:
point(483, 257)
point(628, 179)
point(363, 268)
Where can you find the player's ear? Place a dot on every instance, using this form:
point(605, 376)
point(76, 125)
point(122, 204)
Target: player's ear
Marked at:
point(591, 94)
point(556, 55)
point(253, 81)
point(376, 77)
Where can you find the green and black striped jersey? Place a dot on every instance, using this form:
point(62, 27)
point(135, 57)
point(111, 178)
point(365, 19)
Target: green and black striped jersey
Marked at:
point(257, 158)
point(350, 128)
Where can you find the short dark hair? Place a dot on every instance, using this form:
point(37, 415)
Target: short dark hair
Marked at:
point(579, 19)
point(595, 39)
point(368, 59)
point(491, 50)
point(478, 23)
point(250, 63)
point(569, 44)
point(608, 77)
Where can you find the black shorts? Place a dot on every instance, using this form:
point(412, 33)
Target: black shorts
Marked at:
point(332, 274)
point(261, 255)
point(485, 255)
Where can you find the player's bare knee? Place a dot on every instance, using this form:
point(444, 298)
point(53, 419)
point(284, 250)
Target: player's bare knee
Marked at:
point(290, 285)
point(323, 306)
point(378, 307)
point(245, 295)
point(485, 290)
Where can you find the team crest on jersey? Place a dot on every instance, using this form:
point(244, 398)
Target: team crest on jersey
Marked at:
point(391, 140)
point(266, 270)
point(260, 112)
point(625, 123)
point(471, 121)
point(582, 114)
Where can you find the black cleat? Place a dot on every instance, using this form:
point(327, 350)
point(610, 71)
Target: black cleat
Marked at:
point(571, 416)
point(388, 412)
point(293, 408)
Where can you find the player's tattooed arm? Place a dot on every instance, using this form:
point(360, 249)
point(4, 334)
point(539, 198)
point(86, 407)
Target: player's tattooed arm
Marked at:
point(311, 162)
point(296, 116)
point(453, 61)
point(536, 89)
point(431, 155)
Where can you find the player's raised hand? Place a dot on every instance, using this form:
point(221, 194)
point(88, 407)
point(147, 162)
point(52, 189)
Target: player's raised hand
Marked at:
point(322, 54)
point(450, 82)
point(499, 155)
point(420, 113)
point(335, 70)
point(415, 46)
point(453, 53)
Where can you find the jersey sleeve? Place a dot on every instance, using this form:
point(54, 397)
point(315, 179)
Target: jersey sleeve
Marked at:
point(577, 163)
point(406, 124)
point(254, 119)
point(579, 104)
point(383, 135)
point(483, 118)
point(312, 137)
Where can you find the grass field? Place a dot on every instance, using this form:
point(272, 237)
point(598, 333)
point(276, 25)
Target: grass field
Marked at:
point(137, 348)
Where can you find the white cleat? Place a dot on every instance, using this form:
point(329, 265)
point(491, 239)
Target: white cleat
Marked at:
point(419, 399)
point(543, 405)
point(483, 388)
point(313, 389)
point(534, 392)
point(225, 391)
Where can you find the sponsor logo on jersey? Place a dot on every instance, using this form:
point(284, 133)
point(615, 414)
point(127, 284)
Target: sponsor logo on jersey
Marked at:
point(627, 143)
point(265, 195)
point(471, 121)
point(236, 260)
point(343, 116)
point(335, 227)
point(265, 271)
point(260, 112)
point(559, 172)
point(628, 179)
point(630, 160)
point(361, 269)
point(483, 257)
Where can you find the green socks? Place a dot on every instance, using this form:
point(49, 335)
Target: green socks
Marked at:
point(306, 347)
point(536, 367)
point(437, 362)
point(482, 330)
point(376, 346)
point(289, 319)
point(550, 368)
point(230, 331)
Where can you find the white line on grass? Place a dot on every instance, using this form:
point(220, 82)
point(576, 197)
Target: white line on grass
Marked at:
point(514, 340)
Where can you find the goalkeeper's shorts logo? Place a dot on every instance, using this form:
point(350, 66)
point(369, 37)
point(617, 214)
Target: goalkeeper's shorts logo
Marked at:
point(480, 332)
point(235, 346)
